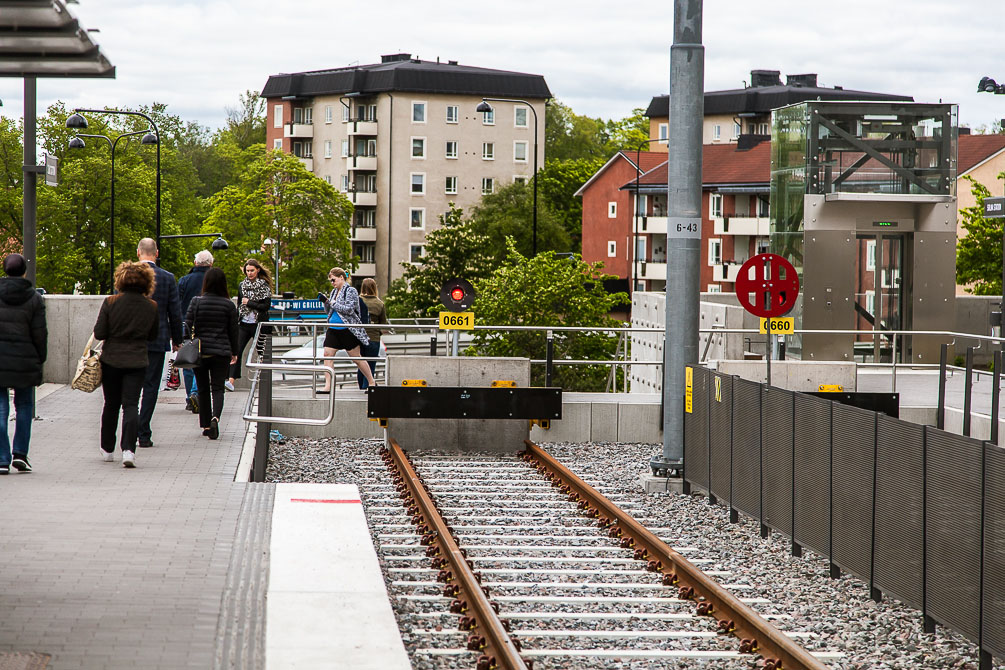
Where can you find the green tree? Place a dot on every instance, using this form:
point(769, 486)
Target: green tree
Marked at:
point(509, 213)
point(629, 132)
point(558, 182)
point(276, 197)
point(246, 121)
point(11, 158)
point(455, 249)
point(548, 291)
point(979, 253)
point(568, 135)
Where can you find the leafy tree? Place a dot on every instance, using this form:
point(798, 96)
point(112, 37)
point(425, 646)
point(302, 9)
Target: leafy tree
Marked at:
point(509, 213)
point(979, 253)
point(568, 135)
point(276, 197)
point(628, 132)
point(548, 291)
point(558, 182)
point(455, 249)
point(246, 122)
point(11, 176)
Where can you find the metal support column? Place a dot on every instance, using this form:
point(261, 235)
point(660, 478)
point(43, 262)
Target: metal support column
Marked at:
point(264, 409)
point(940, 416)
point(968, 391)
point(29, 205)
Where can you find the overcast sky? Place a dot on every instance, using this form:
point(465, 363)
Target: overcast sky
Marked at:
point(601, 58)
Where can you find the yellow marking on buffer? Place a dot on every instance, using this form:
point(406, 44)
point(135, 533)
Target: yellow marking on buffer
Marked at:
point(831, 388)
point(503, 384)
point(414, 382)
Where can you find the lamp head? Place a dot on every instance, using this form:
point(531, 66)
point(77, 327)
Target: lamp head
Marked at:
point(77, 143)
point(76, 122)
point(987, 85)
point(149, 138)
point(483, 106)
point(219, 244)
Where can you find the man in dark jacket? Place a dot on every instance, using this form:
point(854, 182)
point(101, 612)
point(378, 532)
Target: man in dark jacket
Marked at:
point(169, 314)
point(189, 287)
point(22, 352)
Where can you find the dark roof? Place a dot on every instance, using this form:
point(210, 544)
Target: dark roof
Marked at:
point(975, 149)
point(400, 73)
point(763, 99)
point(721, 164)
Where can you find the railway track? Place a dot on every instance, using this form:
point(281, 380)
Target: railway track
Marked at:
point(516, 563)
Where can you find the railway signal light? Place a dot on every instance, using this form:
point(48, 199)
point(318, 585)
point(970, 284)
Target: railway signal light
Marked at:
point(457, 295)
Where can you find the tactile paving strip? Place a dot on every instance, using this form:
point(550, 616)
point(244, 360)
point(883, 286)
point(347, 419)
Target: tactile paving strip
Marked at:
point(24, 661)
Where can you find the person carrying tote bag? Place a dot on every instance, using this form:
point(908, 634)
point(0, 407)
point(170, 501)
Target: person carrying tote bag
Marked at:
point(343, 309)
point(88, 375)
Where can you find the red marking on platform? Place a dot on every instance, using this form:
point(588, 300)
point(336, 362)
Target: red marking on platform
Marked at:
point(323, 500)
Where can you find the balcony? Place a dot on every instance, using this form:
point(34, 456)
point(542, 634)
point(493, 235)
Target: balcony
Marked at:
point(366, 270)
point(742, 225)
point(308, 163)
point(363, 198)
point(652, 224)
point(305, 130)
point(725, 272)
point(653, 271)
point(361, 234)
point(361, 127)
point(361, 162)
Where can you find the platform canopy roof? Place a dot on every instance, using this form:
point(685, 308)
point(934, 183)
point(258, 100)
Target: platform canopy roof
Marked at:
point(41, 38)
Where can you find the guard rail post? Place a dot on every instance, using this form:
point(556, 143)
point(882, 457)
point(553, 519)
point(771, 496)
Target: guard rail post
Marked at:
point(940, 417)
point(548, 368)
point(264, 409)
point(996, 378)
point(432, 344)
point(967, 391)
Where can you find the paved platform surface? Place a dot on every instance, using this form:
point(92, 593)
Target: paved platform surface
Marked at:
point(112, 568)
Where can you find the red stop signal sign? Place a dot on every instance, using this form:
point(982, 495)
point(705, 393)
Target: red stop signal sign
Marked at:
point(771, 281)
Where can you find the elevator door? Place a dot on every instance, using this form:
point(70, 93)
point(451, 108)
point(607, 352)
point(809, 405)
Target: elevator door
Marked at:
point(879, 297)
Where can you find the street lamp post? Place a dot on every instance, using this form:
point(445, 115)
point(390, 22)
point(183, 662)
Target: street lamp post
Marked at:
point(275, 255)
point(77, 143)
point(483, 107)
point(635, 231)
point(76, 121)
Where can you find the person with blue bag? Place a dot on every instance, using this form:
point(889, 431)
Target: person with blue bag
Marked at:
point(342, 306)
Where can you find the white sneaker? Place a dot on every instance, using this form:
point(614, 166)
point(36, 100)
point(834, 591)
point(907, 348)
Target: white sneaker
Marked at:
point(128, 459)
point(227, 385)
point(106, 456)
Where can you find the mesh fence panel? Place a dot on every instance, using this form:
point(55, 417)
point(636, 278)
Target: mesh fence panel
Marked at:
point(696, 431)
point(994, 551)
point(812, 441)
point(900, 505)
point(720, 424)
point(853, 445)
point(776, 454)
point(746, 494)
point(952, 529)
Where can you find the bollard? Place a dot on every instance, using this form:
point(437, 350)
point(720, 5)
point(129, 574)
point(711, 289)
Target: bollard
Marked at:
point(264, 409)
point(432, 344)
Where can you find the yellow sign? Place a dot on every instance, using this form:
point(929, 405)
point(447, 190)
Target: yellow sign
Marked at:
point(785, 325)
point(457, 320)
point(718, 389)
point(689, 390)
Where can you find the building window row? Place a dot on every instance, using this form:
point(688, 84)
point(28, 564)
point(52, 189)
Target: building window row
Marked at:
point(419, 114)
point(450, 186)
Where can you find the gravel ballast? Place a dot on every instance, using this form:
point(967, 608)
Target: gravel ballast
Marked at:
point(839, 612)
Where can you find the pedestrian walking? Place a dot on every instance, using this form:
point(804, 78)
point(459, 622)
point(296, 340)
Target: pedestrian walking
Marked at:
point(189, 287)
point(127, 322)
point(23, 336)
point(212, 317)
point(169, 317)
point(375, 307)
point(254, 298)
point(342, 306)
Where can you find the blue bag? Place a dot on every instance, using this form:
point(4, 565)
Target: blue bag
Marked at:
point(333, 317)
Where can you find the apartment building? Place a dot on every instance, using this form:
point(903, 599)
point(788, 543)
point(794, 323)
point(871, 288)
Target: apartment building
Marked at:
point(403, 139)
point(744, 114)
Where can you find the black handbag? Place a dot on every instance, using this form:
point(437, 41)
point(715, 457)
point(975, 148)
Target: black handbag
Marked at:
point(190, 353)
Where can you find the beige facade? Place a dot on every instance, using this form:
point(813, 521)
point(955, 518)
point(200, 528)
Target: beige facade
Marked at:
point(716, 129)
point(403, 157)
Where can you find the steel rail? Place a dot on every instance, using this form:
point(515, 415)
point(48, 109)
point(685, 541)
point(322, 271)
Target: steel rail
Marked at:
point(487, 631)
point(755, 633)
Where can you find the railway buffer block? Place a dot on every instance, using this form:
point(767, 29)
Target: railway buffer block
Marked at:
point(537, 404)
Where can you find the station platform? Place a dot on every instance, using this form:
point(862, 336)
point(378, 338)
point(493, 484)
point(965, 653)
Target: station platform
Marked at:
point(169, 565)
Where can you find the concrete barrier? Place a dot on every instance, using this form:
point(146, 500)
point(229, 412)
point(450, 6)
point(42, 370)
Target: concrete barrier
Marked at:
point(70, 321)
point(794, 375)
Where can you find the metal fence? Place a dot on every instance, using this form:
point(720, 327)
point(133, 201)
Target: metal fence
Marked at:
point(914, 511)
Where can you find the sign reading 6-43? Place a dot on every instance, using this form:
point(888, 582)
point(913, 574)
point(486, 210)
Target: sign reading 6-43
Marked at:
point(767, 286)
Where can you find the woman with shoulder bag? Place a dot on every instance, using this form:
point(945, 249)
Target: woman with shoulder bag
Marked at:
point(375, 308)
point(212, 318)
point(126, 322)
point(343, 310)
point(254, 298)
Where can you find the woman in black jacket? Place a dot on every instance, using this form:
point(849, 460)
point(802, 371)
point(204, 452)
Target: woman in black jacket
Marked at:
point(212, 318)
point(126, 322)
point(254, 299)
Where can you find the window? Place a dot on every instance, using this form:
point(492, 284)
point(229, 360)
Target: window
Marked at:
point(641, 204)
point(303, 149)
point(277, 144)
point(328, 113)
point(488, 151)
point(298, 115)
point(418, 183)
point(451, 113)
point(368, 113)
point(715, 205)
point(520, 117)
point(663, 133)
point(451, 187)
point(870, 255)
point(277, 116)
point(489, 117)
point(764, 129)
point(371, 148)
point(345, 113)
point(345, 148)
point(716, 132)
point(736, 130)
point(488, 185)
point(366, 218)
point(520, 179)
point(418, 147)
point(640, 248)
point(418, 112)
point(612, 210)
point(328, 148)
point(365, 252)
point(369, 183)
point(415, 253)
point(417, 219)
point(309, 115)
point(612, 249)
point(762, 207)
point(328, 178)
point(345, 182)
point(715, 252)
point(870, 302)
point(519, 152)
point(714, 288)
point(451, 150)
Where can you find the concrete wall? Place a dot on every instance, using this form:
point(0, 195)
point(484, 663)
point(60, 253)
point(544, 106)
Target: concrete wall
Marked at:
point(794, 375)
point(70, 320)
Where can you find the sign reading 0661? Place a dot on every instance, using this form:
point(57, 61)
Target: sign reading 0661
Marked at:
point(457, 295)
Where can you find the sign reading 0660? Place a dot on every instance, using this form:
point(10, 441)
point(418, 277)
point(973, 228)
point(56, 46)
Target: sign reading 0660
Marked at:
point(457, 320)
